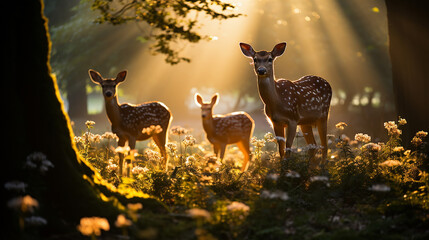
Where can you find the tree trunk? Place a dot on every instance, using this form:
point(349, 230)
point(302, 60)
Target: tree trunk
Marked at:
point(37, 122)
point(409, 52)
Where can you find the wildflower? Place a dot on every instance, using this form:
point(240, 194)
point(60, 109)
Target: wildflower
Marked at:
point(402, 121)
point(199, 213)
point(257, 143)
point(237, 206)
point(416, 141)
point(373, 147)
point(392, 128)
point(269, 137)
point(177, 130)
point(139, 170)
point(152, 155)
point(398, 149)
point(341, 125)
point(408, 152)
point(16, 186)
point(273, 195)
point(134, 206)
point(122, 221)
point(92, 225)
point(23, 204)
point(109, 135)
point(189, 141)
point(112, 167)
point(390, 163)
point(292, 174)
point(379, 188)
point(171, 147)
point(123, 150)
point(319, 178)
point(38, 160)
point(152, 129)
point(89, 124)
point(35, 221)
point(421, 134)
point(273, 176)
point(189, 160)
point(362, 137)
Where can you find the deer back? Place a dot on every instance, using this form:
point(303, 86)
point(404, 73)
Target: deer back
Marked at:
point(233, 127)
point(136, 117)
point(307, 99)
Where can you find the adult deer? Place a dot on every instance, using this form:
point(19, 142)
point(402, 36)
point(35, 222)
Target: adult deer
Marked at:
point(129, 122)
point(304, 102)
point(221, 130)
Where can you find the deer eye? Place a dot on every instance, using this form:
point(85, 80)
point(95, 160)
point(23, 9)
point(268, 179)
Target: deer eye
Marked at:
point(270, 60)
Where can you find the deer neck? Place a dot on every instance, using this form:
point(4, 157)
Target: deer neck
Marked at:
point(112, 110)
point(208, 125)
point(267, 89)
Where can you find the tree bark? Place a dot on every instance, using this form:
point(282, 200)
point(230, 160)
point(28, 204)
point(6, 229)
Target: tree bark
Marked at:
point(408, 24)
point(37, 122)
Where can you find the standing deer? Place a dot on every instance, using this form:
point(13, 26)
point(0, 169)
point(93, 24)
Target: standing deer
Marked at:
point(221, 130)
point(129, 122)
point(304, 102)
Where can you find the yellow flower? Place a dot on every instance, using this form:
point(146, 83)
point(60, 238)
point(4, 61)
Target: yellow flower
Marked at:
point(24, 204)
point(122, 221)
point(390, 163)
point(341, 125)
point(421, 134)
point(92, 225)
point(199, 213)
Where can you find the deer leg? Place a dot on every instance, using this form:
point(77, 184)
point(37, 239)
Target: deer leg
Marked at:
point(121, 143)
point(279, 130)
point(222, 151)
point(159, 140)
point(216, 148)
point(307, 131)
point(290, 136)
point(322, 127)
point(245, 149)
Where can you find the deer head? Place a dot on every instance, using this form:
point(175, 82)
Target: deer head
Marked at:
point(263, 60)
point(206, 108)
point(108, 85)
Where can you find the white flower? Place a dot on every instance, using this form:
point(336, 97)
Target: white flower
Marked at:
point(199, 213)
point(362, 137)
point(237, 206)
point(379, 188)
point(35, 221)
point(319, 178)
point(276, 194)
point(293, 174)
point(273, 176)
point(16, 186)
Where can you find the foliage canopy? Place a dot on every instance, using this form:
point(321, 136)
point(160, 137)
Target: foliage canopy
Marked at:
point(167, 21)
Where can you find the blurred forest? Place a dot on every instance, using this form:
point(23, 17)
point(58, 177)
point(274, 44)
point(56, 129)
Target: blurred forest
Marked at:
point(345, 42)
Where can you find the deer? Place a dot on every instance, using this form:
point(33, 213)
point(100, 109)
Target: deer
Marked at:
point(130, 122)
point(287, 104)
point(222, 130)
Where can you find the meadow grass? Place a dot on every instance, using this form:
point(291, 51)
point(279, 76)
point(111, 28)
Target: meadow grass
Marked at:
point(366, 190)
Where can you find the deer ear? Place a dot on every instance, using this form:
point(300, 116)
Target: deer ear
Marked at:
point(95, 76)
point(215, 99)
point(278, 49)
point(121, 76)
point(198, 99)
point(247, 50)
